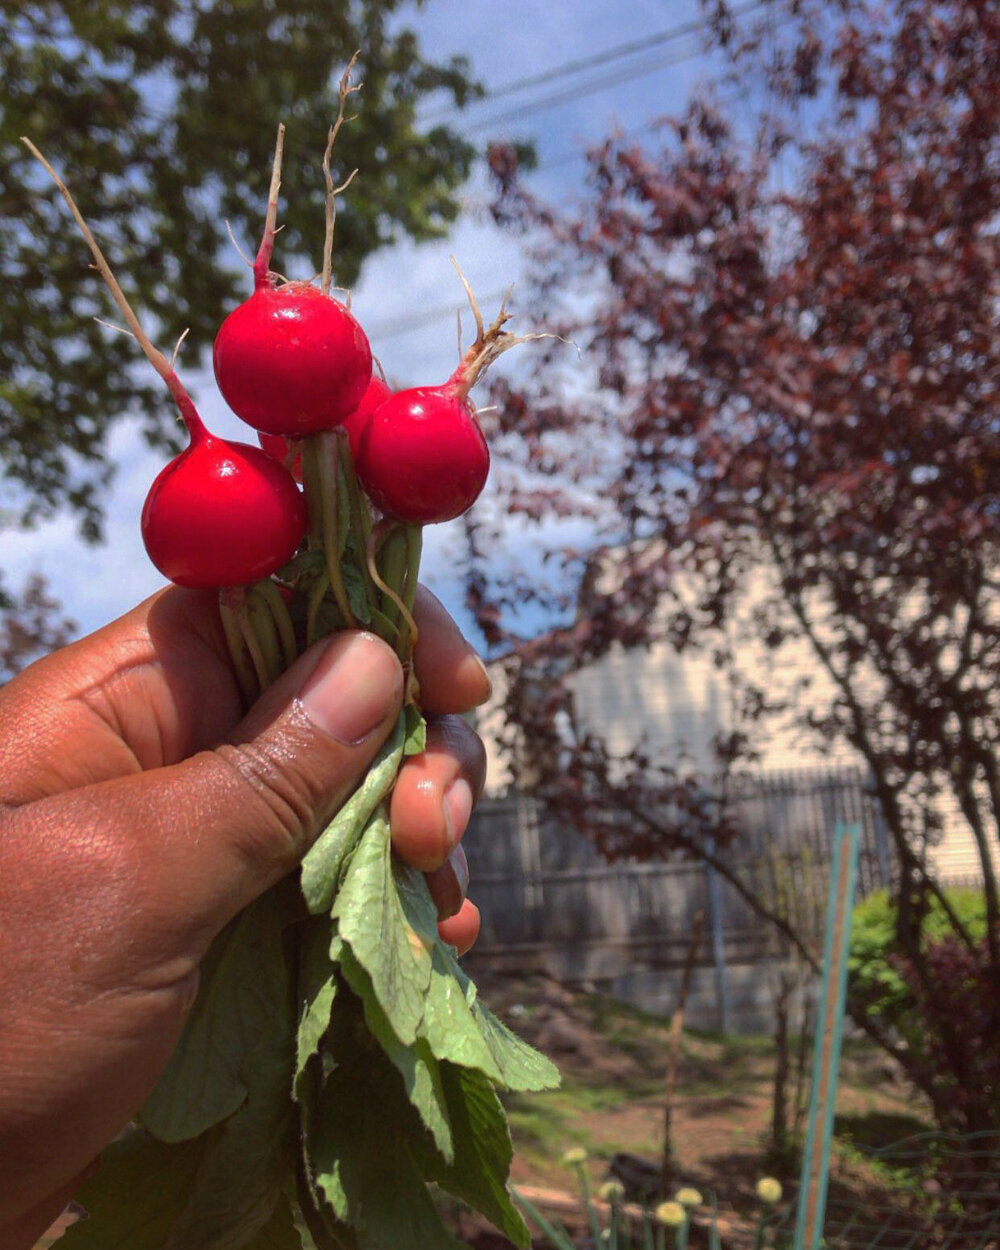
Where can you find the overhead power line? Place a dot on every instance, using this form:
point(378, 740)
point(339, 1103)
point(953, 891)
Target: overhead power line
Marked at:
point(602, 59)
point(623, 74)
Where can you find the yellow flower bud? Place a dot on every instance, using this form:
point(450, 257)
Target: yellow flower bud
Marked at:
point(769, 1190)
point(611, 1191)
point(575, 1155)
point(671, 1213)
point(688, 1197)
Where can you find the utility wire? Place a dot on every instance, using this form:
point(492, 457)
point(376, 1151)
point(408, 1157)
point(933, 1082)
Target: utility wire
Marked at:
point(527, 111)
point(595, 60)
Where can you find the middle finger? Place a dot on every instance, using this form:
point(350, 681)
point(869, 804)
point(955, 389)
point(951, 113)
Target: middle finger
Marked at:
point(435, 793)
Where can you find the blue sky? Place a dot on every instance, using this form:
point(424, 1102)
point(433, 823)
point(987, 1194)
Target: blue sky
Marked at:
point(508, 42)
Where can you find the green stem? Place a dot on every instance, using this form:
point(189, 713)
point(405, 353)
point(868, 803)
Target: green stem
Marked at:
point(414, 550)
point(282, 619)
point(361, 521)
point(414, 547)
point(758, 1241)
point(263, 626)
point(315, 603)
point(312, 493)
point(321, 482)
point(392, 567)
point(249, 687)
point(581, 1171)
point(253, 646)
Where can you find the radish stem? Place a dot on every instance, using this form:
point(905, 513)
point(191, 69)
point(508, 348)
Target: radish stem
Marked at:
point(262, 264)
point(238, 654)
point(156, 358)
point(279, 611)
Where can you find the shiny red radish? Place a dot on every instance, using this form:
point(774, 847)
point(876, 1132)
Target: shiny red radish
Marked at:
point(219, 514)
point(291, 360)
point(222, 514)
point(422, 457)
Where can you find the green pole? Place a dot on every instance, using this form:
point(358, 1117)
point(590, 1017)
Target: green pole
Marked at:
point(829, 1037)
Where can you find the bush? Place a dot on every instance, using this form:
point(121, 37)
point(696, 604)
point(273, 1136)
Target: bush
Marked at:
point(876, 976)
point(941, 1006)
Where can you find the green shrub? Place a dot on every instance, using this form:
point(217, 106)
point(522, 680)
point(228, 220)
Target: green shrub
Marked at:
point(875, 975)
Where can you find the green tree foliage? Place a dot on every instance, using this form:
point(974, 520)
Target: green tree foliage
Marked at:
point(875, 975)
point(162, 115)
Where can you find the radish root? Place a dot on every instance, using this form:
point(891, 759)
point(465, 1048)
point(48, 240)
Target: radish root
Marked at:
point(346, 91)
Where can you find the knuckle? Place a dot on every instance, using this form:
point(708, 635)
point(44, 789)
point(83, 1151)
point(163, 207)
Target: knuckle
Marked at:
point(278, 800)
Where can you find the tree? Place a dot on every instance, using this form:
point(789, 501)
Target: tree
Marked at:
point(789, 398)
point(162, 114)
point(31, 626)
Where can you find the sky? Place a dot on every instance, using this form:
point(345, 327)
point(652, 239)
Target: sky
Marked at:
point(561, 112)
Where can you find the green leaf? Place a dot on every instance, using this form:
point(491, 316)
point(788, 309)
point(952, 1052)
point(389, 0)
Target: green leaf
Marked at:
point(337, 1127)
point(478, 1175)
point(416, 732)
point(281, 1231)
point(415, 1064)
point(136, 1194)
point(325, 860)
point(449, 1025)
point(247, 1158)
point(243, 973)
point(387, 917)
point(521, 1066)
point(355, 583)
point(361, 1158)
point(397, 1211)
point(244, 1164)
point(305, 562)
point(318, 956)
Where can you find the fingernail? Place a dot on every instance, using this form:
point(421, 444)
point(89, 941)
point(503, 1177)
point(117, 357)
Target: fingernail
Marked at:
point(487, 679)
point(457, 809)
point(351, 690)
point(460, 867)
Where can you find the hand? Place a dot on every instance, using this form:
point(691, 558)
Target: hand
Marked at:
point(139, 813)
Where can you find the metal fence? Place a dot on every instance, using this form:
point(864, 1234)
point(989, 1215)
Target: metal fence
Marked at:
point(551, 904)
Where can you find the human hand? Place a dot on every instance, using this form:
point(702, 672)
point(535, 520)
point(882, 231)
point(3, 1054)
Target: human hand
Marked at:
point(139, 812)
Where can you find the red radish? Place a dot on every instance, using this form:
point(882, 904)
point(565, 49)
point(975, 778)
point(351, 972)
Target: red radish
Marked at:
point(222, 514)
point(376, 395)
point(422, 456)
point(280, 449)
point(291, 360)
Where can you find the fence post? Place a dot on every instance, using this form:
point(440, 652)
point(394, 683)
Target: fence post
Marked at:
point(829, 1035)
point(715, 920)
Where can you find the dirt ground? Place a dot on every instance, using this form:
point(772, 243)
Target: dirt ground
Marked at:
point(613, 1059)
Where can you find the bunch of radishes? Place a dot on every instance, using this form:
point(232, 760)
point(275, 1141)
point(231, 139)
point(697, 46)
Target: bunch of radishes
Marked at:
point(316, 530)
point(296, 365)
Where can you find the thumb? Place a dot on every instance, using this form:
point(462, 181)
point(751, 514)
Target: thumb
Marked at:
point(174, 853)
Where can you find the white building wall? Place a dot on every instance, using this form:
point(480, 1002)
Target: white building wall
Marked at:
point(678, 703)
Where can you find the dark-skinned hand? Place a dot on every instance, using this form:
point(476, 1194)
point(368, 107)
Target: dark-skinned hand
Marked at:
point(140, 810)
